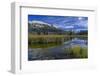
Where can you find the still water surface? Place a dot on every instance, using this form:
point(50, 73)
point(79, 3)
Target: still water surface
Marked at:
point(54, 51)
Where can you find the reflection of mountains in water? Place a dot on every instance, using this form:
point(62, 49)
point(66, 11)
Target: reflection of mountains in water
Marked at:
point(76, 41)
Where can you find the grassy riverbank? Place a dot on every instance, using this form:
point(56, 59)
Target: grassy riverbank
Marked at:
point(45, 41)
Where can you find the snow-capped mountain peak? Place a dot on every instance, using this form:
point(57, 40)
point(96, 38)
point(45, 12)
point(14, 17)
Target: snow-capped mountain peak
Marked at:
point(38, 22)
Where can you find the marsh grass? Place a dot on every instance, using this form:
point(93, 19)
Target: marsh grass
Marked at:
point(45, 41)
point(77, 52)
point(44, 45)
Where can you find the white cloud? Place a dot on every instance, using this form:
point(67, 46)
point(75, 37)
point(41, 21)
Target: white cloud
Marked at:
point(80, 18)
point(69, 26)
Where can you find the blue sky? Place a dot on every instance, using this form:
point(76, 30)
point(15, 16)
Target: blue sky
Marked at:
point(64, 22)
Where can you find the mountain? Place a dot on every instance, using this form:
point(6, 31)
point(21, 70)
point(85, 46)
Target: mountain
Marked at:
point(73, 28)
point(38, 22)
point(39, 27)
